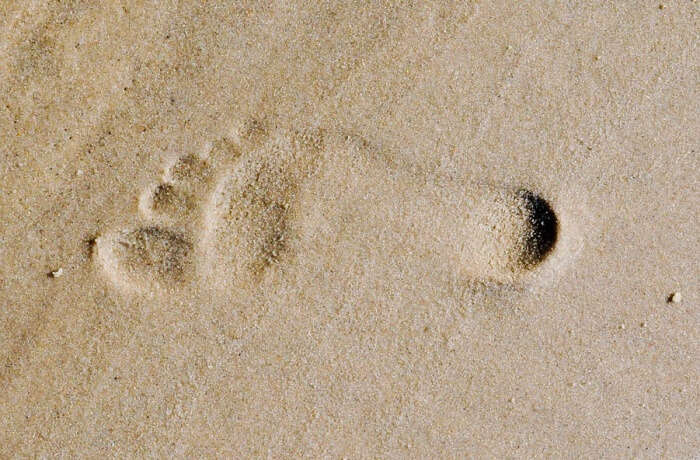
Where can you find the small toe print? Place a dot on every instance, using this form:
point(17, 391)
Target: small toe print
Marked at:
point(189, 169)
point(168, 199)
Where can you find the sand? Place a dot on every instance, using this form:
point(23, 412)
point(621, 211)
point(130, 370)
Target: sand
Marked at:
point(349, 229)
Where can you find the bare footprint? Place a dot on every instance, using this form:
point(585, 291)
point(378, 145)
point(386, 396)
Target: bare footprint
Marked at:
point(257, 200)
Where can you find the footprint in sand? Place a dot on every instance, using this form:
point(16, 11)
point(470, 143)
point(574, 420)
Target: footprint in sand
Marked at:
point(259, 199)
point(216, 220)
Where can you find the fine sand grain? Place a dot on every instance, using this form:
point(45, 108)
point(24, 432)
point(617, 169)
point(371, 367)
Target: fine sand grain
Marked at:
point(349, 229)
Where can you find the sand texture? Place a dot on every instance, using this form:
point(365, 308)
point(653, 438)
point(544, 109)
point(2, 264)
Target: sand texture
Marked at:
point(442, 229)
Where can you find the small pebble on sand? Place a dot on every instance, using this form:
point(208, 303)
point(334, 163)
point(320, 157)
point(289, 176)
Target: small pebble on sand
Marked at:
point(56, 273)
point(675, 297)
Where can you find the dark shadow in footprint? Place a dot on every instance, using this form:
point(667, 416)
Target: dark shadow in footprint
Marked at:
point(542, 231)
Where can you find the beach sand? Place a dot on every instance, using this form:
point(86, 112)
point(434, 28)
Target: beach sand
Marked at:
point(349, 229)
